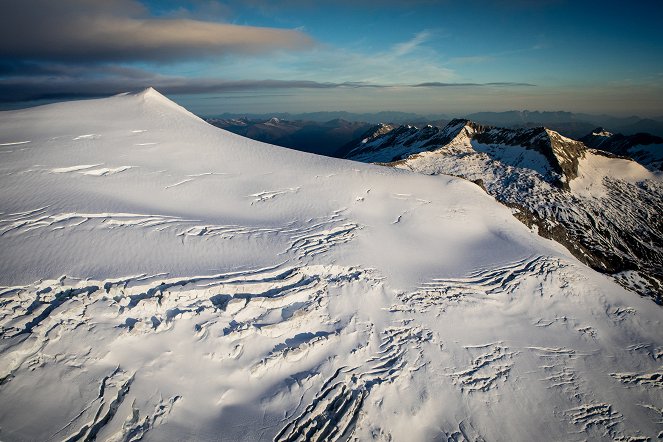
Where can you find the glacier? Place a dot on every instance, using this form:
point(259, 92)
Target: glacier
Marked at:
point(163, 279)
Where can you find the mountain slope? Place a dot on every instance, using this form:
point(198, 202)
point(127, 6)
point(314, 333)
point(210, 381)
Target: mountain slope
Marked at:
point(604, 209)
point(167, 280)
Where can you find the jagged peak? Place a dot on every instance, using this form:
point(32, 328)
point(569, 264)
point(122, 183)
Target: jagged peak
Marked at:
point(461, 126)
point(554, 135)
point(376, 132)
point(601, 132)
point(562, 153)
point(470, 124)
point(459, 122)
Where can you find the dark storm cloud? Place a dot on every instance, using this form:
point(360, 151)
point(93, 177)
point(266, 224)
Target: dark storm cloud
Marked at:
point(122, 30)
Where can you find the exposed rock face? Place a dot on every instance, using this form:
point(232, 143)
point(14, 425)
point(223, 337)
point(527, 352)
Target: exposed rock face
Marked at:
point(599, 204)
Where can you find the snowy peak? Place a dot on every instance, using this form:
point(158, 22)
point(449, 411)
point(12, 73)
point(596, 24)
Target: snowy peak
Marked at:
point(463, 135)
point(155, 100)
point(460, 128)
point(152, 95)
point(600, 132)
point(386, 143)
point(561, 153)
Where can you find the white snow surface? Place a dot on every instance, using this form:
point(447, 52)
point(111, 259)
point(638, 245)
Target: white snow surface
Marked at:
point(163, 279)
point(594, 168)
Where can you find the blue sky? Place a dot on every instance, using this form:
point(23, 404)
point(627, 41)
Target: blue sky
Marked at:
point(420, 56)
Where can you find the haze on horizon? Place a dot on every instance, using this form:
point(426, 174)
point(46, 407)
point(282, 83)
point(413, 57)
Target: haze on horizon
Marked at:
point(260, 56)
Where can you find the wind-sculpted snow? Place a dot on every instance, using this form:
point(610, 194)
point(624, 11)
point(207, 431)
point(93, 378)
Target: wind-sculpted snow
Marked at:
point(317, 236)
point(21, 223)
point(652, 379)
point(281, 296)
point(277, 305)
point(490, 365)
point(333, 413)
point(281, 327)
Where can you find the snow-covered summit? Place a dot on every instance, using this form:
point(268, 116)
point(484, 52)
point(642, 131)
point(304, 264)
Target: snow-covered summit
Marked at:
point(560, 154)
point(600, 132)
point(166, 280)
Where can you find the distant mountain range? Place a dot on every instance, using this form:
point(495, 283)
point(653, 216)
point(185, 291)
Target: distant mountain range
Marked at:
point(322, 117)
point(325, 138)
point(569, 124)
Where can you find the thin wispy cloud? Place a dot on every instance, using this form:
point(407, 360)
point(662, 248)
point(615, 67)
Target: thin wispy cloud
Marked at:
point(484, 58)
point(496, 83)
point(408, 46)
point(405, 62)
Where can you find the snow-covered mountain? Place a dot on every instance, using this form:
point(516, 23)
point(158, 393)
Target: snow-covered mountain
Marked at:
point(605, 209)
point(167, 280)
point(644, 148)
